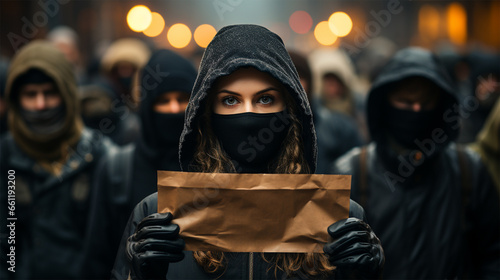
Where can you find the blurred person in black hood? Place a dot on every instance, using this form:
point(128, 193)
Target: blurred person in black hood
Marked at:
point(246, 83)
point(433, 204)
point(129, 175)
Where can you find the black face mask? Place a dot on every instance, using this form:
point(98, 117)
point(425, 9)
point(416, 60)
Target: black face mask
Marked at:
point(251, 140)
point(168, 129)
point(45, 121)
point(406, 126)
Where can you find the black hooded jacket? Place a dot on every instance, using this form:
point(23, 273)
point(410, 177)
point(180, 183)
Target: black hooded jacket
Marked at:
point(430, 225)
point(266, 52)
point(129, 175)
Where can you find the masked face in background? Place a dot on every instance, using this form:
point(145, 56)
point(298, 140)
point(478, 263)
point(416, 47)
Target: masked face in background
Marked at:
point(412, 110)
point(168, 117)
point(42, 108)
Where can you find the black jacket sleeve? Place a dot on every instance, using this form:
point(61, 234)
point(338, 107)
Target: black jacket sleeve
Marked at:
point(146, 207)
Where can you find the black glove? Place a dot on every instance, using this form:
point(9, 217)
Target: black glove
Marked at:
point(153, 246)
point(355, 250)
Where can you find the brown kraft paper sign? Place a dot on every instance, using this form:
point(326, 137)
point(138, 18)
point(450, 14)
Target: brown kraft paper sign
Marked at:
point(254, 212)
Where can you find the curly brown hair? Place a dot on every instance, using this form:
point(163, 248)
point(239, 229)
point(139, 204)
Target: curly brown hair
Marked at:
point(210, 157)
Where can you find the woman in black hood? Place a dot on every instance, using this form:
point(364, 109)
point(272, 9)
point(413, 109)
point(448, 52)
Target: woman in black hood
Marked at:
point(248, 113)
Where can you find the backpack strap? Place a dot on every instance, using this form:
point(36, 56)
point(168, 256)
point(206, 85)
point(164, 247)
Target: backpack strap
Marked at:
point(112, 165)
point(120, 173)
point(363, 177)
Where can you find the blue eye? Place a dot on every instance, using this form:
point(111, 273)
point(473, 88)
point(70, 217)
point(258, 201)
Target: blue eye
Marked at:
point(266, 99)
point(229, 101)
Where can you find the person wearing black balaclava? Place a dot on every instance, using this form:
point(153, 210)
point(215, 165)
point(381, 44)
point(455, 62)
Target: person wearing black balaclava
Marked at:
point(129, 175)
point(431, 202)
point(49, 161)
point(247, 83)
point(162, 108)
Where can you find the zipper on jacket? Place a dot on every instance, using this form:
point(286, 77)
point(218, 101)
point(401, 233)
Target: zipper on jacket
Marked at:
point(250, 266)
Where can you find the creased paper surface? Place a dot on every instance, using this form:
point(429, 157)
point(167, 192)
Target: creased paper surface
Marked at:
point(254, 212)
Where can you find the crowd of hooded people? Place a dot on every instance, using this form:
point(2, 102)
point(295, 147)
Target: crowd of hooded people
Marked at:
point(418, 131)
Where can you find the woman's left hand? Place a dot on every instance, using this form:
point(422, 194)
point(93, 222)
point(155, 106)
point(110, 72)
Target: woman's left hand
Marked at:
point(355, 250)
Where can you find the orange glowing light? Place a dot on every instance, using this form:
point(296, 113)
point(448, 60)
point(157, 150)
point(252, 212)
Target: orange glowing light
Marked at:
point(204, 34)
point(323, 34)
point(456, 19)
point(428, 22)
point(179, 35)
point(340, 23)
point(156, 27)
point(139, 18)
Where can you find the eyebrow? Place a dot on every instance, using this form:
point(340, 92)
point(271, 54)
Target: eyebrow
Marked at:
point(228, 91)
point(259, 92)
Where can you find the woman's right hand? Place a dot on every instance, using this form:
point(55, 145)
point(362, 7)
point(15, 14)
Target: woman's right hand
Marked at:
point(355, 250)
point(153, 246)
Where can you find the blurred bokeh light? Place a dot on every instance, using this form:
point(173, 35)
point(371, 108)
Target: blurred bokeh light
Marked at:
point(156, 27)
point(300, 22)
point(429, 22)
point(204, 34)
point(139, 18)
point(340, 23)
point(323, 34)
point(179, 35)
point(456, 19)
